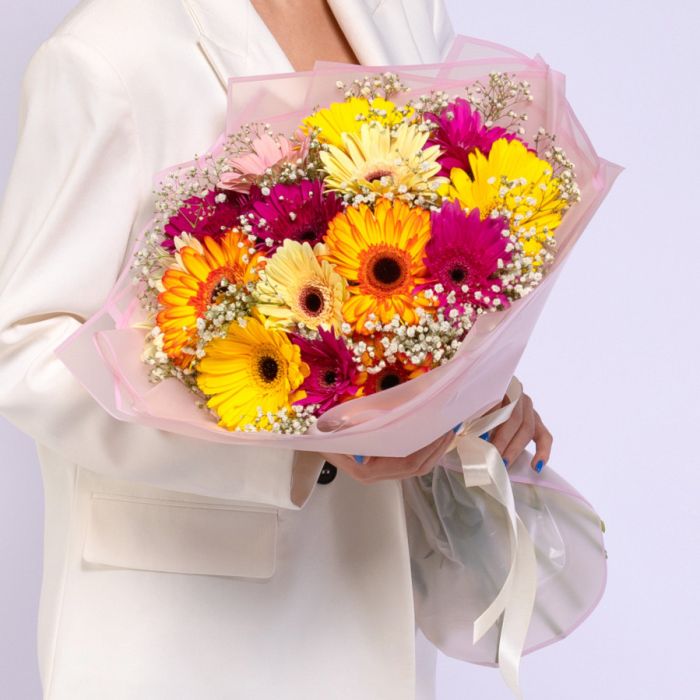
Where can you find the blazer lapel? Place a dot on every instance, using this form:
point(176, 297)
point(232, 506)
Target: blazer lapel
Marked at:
point(235, 41)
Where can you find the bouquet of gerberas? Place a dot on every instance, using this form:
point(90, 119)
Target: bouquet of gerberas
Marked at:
point(361, 248)
point(292, 272)
point(355, 267)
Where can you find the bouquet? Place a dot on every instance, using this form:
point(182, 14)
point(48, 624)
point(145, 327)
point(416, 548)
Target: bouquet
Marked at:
point(355, 266)
point(293, 272)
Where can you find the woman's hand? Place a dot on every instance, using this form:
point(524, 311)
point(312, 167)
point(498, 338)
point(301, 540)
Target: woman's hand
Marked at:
point(512, 437)
point(371, 469)
point(509, 438)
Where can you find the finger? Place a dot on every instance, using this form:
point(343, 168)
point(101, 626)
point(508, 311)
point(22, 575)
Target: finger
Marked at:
point(522, 437)
point(421, 461)
point(432, 459)
point(348, 463)
point(373, 469)
point(543, 444)
point(504, 433)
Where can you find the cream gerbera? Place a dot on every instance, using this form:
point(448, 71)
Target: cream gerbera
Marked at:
point(381, 254)
point(249, 373)
point(297, 287)
point(379, 160)
point(347, 117)
point(512, 182)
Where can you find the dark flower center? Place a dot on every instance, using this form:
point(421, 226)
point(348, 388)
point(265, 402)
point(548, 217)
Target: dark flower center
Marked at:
point(269, 368)
point(218, 290)
point(377, 175)
point(330, 377)
point(457, 274)
point(386, 270)
point(312, 301)
point(308, 234)
point(389, 380)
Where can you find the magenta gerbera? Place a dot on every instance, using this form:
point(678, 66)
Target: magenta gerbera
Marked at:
point(210, 215)
point(461, 131)
point(333, 372)
point(300, 212)
point(463, 256)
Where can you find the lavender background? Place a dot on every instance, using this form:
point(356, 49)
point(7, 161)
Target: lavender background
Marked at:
point(612, 365)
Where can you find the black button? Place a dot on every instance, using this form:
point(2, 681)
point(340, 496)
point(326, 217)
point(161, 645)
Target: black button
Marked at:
point(328, 472)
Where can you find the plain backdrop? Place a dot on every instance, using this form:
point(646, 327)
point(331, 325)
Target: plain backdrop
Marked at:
point(612, 366)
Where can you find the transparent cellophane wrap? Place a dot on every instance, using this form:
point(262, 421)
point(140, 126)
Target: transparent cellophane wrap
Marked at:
point(105, 353)
point(459, 559)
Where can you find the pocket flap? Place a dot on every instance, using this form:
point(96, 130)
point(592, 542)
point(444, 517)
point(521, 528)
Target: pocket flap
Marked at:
point(181, 536)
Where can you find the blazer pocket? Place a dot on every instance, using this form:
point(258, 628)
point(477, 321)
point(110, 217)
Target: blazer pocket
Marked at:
point(181, 536)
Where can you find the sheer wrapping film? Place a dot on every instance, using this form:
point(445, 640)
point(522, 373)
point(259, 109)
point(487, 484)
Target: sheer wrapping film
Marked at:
point(460, 558)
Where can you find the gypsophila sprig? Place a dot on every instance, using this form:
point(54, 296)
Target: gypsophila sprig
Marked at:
point(383, 85)
point(497, 99)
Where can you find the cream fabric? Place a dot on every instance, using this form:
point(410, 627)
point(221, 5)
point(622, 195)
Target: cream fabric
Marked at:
point(174, 568)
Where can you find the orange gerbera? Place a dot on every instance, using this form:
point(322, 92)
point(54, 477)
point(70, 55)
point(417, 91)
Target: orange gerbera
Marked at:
point(392, 375)
point(198, 281)
point(380, 252)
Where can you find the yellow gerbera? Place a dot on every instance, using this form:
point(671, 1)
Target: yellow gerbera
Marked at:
point(374, 159)
point(380, 253)
point(249, 373)
point(194, 283)
point(515, 183)
point(297, 287)
point(347, 117)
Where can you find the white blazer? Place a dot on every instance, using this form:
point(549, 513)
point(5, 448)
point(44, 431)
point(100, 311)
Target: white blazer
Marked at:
point(173, 568)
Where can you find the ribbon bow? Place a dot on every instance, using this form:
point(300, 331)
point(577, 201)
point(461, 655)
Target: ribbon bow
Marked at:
point(484, 468)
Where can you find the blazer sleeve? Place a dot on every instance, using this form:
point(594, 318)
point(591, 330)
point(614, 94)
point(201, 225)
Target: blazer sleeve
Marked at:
point(73, 196)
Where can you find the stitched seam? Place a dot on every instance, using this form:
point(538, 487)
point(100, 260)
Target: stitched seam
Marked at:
point(195, 505)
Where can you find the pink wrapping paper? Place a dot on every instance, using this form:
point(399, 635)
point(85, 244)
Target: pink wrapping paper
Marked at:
point(104, 353)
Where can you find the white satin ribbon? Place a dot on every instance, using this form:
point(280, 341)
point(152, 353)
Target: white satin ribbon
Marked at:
point(483, 468)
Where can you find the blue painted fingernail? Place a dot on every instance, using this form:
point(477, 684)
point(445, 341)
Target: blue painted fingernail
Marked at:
point(538, 466)
point(485, 436)
point(359, 459)
point(457, 427)
point(505, 462)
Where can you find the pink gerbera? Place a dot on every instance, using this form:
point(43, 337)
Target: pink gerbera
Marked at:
point(462, 256)
point(206, 216)
point(300, 212)
point(461, 131)
point(266, 152)
point(333, 372)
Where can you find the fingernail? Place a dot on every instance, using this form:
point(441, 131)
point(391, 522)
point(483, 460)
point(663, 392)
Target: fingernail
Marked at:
point(485, 436)
point(505, 462)
point(457, 427)
point(359, 459)
point(538, 466)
